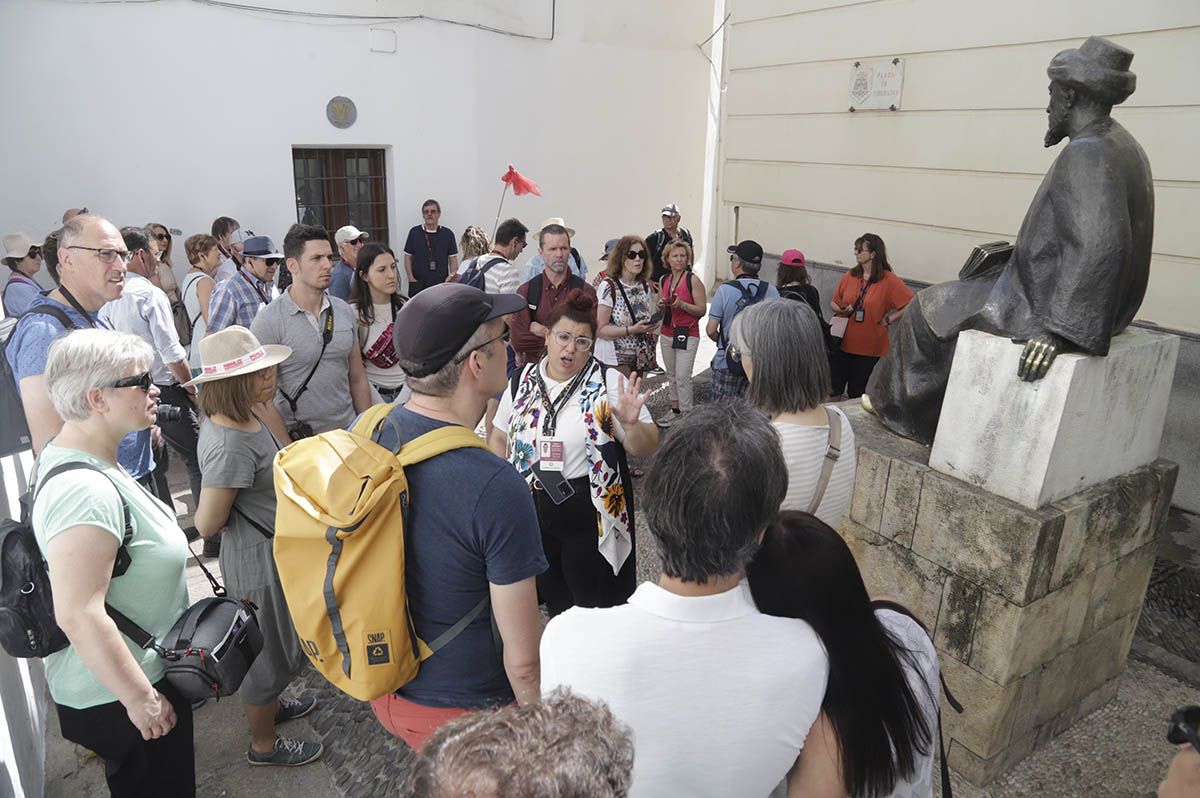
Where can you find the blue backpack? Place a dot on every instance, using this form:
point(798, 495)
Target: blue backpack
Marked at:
point(747, 299)
point(474, 275)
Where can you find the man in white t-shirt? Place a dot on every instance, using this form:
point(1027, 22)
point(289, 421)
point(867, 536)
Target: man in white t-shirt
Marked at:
point(719, 696)
point(504, 276)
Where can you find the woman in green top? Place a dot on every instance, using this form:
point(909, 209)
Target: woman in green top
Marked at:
point(110, 695)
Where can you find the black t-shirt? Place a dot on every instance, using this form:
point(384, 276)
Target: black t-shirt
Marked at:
point(657, 242)
point(430, 253)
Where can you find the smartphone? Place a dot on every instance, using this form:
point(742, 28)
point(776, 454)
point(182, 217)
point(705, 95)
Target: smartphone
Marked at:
point(657, 317)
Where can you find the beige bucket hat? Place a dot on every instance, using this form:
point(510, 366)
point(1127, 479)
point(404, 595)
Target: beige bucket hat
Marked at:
point(235, 351)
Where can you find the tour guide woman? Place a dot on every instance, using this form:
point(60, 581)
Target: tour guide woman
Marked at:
point(566, 424)
point(112, 697)
point(871, 297)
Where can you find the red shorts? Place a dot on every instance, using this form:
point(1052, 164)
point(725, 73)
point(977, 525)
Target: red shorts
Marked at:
point(412, 723)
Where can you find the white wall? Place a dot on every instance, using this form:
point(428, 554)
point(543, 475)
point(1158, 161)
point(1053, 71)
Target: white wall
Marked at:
point(180, 112)
point(961, 160)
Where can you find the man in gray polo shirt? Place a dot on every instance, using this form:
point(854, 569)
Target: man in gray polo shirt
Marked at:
point(323, 385)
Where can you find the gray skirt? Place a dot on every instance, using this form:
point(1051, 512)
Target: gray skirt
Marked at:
point(248, 566)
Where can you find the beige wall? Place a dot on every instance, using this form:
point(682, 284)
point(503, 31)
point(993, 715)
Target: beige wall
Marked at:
point(959, 163)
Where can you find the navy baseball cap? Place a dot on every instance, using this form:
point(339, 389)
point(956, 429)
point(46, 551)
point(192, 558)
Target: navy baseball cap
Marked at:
point(434, 325)
point(260, 247)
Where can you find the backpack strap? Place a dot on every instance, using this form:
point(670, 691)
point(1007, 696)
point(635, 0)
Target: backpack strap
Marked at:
point(439, 441)
point(454, 631)
point(533, 296)
point(51, 310)
point(498, 259)
point(371, 421)
point(833, 451)
point(121, 563)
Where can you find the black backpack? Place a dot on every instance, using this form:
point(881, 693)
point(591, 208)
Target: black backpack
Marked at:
point(474, 275)
point(747, 299)
point(27, 624)
point(14, 430)
point(534, 297)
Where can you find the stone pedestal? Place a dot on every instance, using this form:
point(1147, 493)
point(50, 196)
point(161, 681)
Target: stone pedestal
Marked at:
point(1090, 419)
point(1032, 610)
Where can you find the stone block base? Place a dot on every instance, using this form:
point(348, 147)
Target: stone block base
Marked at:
point(1032, 610)
point(1089, 420)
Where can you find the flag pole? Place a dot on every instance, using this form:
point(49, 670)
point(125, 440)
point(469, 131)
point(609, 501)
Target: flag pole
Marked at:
point(496, 226)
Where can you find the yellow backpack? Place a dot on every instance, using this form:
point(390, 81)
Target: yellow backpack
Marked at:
point(339, 547)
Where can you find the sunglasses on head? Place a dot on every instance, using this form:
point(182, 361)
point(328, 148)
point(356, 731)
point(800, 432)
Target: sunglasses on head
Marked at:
point(635, 254)
point(140, 381)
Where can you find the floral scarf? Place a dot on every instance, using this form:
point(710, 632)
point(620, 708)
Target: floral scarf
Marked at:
point(602, 451)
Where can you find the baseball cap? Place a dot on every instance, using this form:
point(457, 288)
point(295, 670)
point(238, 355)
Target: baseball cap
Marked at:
point(260, 247)
point(670, 209)
point(747, 251)
point(240, 236)
point(434, 325)
point(791, 257)
point(349, 233)
point(608, 247)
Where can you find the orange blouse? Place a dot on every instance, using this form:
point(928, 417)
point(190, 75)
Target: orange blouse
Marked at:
point(870, 337)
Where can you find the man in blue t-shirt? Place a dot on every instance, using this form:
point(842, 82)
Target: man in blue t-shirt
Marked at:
point(472, 528)
point(745, 259)
point(430, 253)
point(91, 267)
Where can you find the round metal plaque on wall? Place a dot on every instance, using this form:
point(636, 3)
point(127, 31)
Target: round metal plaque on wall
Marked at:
point(341, 112)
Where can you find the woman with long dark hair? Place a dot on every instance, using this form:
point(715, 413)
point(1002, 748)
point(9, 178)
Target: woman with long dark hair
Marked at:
point(871, 298)
point(875, 735)
point(376, 303)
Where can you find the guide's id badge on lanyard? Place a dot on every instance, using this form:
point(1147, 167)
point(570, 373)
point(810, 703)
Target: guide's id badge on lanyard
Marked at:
point(858, 315)
point(550, 454)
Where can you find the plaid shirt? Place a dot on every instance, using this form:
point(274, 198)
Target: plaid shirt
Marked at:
point(237, 301)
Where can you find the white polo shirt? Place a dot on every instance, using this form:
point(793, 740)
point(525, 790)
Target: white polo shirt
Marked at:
point(719, 696)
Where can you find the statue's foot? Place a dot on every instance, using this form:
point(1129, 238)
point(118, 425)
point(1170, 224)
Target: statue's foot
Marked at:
point(866, 403)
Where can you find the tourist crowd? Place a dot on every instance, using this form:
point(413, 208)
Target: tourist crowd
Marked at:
point(755, 662)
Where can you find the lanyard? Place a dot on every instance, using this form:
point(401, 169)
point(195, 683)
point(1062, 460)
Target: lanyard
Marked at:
point(429, 246)
point(75, 304)
point(858, 303)
point(550, 422)
point(254, 285)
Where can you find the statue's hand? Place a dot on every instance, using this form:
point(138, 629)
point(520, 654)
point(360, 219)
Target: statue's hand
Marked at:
point(1038, 354)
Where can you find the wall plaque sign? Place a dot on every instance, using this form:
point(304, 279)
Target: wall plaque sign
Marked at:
point(341, 112)
point(876, 85)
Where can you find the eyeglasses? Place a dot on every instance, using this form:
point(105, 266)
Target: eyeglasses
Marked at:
point(162, 236)
point(504, 336)
point(141, 381)
point(635, 254)
point(1183, 728)
point(107, 255)
point(430, 212)
point(34, 252)
point(582, 342)
point(735, 354)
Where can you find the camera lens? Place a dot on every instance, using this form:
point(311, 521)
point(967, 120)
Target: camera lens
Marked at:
point(169, 413)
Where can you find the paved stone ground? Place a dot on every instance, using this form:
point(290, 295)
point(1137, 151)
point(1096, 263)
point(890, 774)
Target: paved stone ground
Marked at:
point(1120, 750)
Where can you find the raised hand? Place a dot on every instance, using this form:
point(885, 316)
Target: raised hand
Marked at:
point(630, 400)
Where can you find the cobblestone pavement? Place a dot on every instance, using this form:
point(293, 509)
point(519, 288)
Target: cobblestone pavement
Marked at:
point(1119, 750)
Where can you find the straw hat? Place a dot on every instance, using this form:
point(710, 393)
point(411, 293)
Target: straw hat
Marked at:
point(558, 220)
point(235, 351)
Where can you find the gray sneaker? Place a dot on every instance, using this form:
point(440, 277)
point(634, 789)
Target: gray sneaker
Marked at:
point(287, 753)
point(291, 708)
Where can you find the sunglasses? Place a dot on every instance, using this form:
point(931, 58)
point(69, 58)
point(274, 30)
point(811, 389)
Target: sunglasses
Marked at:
point(1185, 723)
point(141, 382)
point(162, 237)
point(34, 252)
point(635, 254)
point(734, 354)
point(564, 338)
point(504, 336)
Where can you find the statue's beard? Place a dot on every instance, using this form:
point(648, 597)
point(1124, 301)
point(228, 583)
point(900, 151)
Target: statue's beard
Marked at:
point(1057, 126)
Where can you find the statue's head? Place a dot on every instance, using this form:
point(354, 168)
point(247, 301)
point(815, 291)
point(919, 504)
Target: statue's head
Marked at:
point(1095, 74)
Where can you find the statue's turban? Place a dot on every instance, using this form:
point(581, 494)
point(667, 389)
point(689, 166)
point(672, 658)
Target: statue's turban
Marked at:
point(1099, 68)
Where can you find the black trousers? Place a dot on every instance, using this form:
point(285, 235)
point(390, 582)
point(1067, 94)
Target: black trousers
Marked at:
point(850, 372)
point(578, 575)
point(182, 435)
point(135, 767)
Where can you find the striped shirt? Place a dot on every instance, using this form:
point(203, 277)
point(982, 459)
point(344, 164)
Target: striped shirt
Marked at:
point(804, 451)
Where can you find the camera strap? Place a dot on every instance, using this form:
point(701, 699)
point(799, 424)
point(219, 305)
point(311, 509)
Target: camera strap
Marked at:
point(326, 337)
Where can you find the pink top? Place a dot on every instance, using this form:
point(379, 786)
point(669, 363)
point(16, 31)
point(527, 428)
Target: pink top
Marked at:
point(678, 317)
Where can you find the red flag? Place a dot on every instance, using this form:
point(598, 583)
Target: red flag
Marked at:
point(520, 185)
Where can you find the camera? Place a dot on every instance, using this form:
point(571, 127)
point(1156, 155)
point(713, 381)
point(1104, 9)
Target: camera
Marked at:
point(1185, 727)
point(169, 413)
point(300, 430)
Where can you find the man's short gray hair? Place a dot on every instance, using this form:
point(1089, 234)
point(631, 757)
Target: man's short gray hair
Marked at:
point(750, 268)
point(85, 359)
point(444, 381)
point(786, 346)
point(74, 228)
point(712, 487)
point(561, 745)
